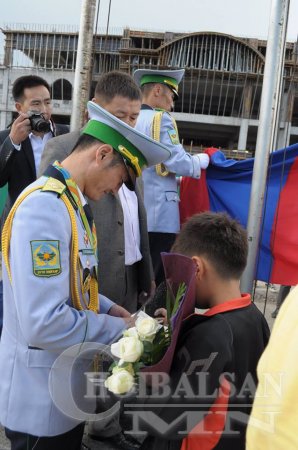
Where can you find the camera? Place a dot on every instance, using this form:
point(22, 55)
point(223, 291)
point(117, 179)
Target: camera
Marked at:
point(38, 122)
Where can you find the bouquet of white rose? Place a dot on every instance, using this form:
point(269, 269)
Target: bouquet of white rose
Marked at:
point(142, 345)
point(149, 347)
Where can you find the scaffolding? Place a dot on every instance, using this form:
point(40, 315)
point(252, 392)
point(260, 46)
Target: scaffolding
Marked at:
point(223, 74)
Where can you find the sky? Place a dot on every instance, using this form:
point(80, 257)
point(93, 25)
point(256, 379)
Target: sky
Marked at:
point(242, 18)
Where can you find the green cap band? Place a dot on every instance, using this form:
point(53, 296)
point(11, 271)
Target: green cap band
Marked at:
point(168, 81)
point(109, 135)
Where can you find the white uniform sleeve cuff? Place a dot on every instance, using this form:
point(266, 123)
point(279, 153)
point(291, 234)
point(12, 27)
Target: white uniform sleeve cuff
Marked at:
point(204, 160)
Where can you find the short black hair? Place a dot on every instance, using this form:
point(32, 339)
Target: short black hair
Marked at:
point(27, 81)
point(217, 237)
point(115, 83)
point(147, 88)
point(85, 141)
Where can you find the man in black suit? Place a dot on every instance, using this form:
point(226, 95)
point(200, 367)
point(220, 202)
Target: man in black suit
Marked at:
point(22, 144)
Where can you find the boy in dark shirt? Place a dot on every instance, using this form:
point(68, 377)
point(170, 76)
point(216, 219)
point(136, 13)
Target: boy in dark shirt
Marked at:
point(213, 375)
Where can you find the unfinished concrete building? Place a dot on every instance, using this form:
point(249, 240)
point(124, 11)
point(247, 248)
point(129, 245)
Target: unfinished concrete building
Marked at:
point(219, 96)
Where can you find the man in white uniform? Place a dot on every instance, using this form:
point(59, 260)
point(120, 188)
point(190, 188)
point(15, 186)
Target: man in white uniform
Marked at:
point(160, 89)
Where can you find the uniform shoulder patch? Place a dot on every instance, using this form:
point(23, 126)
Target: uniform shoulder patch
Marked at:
point(46, 258)
point(173, 136)
point(54, 185)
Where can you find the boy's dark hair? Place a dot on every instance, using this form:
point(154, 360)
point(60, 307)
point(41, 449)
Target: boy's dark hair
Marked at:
point(27, 81)
point(219, 238)
point(115, 83)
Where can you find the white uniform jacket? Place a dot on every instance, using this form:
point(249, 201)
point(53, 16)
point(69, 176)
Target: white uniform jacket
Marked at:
point(39, 319)
point(161, 193)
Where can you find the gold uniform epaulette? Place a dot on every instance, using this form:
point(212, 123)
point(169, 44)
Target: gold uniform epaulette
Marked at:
point(54, 185)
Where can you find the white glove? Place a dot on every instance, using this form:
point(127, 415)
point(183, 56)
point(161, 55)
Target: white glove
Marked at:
point(204, 160)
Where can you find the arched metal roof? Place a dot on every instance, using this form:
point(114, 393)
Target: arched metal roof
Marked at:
point(211, 51)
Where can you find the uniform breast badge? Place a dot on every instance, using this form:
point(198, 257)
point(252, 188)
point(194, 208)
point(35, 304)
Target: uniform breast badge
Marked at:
point(86, 239)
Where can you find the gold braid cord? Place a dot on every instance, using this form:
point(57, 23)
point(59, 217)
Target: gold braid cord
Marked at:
point(6, 236)
point(156, 124)
point(6, 232)
point(155, 134)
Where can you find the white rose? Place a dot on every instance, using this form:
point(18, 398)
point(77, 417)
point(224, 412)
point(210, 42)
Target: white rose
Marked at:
point(128, 349)
point(126, 366)
point(147, 328)
point(120, 382)
point(130, 332)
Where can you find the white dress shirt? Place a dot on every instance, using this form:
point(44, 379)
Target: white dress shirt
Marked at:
point(132, 237)
point(38, 144)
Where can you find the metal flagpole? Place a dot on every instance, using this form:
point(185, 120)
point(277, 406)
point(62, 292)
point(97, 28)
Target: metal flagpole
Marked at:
point(266, 131)
point(83, 65)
